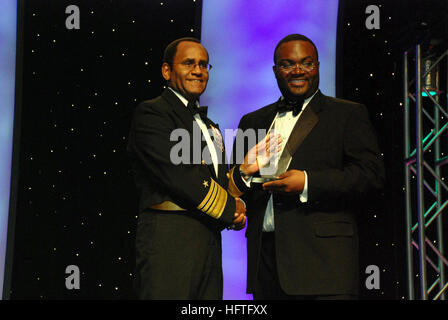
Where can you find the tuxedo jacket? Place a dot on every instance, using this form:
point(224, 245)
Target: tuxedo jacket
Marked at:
point(317, 242)
point(192, 184)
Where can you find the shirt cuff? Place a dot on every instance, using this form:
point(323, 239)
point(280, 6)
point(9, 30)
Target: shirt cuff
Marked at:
point(244, 203)
point(247, 180)
point(304, 195)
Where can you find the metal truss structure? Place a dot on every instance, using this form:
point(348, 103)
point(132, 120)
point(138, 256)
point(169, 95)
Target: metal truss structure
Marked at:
point(426, 159)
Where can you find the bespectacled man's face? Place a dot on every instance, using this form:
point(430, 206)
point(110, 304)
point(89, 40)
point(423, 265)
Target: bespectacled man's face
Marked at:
point(294, 82)
point(186, 75)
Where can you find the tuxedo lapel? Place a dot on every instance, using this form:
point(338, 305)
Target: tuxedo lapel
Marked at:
point(308, 119)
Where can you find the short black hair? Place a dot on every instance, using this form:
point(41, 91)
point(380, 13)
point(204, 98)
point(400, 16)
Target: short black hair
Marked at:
point(171, 49)
point(294, 37)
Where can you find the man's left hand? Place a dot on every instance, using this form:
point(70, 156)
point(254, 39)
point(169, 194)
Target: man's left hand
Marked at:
point(292, 181)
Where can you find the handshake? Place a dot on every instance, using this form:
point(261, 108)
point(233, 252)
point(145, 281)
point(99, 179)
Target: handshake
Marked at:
point(239, 220)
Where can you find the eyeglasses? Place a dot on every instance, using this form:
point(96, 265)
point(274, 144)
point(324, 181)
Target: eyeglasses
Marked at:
point(306, 66)
point(192, 65)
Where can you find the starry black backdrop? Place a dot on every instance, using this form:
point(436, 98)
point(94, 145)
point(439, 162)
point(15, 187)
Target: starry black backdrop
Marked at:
point(77, 203)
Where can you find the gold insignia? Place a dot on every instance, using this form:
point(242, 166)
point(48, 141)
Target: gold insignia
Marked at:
point(205, 184)
point(215, 201)
point(232, 188)
point(203, 162)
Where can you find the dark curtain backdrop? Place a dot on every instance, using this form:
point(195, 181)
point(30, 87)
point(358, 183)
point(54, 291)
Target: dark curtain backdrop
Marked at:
point(77, 203)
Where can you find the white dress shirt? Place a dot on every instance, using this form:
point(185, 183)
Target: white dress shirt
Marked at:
point(284, 123)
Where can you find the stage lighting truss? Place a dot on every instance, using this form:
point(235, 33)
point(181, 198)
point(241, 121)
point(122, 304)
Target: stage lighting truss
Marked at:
point(426, 159)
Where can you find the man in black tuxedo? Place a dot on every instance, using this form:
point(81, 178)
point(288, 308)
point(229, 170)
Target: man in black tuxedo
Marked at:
point(302, 237)
point(185, 196)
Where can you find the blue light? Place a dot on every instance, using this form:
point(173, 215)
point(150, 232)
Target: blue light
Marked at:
point(433, 93)
point(8, 25)
point(240, 37)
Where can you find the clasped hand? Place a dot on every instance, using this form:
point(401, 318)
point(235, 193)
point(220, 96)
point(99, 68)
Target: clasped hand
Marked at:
point(239, 221)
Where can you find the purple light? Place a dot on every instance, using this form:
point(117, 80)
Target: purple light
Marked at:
point(240, 37)
point(8, 24)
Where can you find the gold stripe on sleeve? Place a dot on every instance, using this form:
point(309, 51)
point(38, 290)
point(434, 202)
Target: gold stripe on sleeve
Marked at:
point(219, 204)
point(232, 188)
point(206, 202)
point(215, 201)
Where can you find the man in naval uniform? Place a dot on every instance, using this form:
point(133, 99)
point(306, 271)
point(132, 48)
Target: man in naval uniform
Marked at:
point(184, 205)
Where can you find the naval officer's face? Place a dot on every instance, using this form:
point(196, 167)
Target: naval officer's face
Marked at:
point(188, 73)
point(297, 69)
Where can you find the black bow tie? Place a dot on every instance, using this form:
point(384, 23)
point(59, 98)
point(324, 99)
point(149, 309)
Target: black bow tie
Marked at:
point(290, 105)
point(194, 110)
